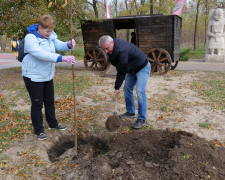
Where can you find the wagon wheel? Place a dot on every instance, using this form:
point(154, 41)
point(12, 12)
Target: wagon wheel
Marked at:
point(160, 60)
point(95, 59)
point(173, 66)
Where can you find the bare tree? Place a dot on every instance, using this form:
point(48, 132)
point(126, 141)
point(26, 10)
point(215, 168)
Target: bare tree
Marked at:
point(196, 23)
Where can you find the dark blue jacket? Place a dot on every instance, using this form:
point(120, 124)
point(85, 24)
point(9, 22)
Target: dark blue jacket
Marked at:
point(127, 58)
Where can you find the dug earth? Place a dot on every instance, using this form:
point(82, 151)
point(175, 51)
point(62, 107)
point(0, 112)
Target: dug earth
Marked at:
point(141, 154)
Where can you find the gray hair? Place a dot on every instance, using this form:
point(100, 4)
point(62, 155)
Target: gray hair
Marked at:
point(105, 39)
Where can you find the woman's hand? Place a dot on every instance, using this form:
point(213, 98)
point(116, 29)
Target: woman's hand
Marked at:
point(70, 43)
point(69, 59)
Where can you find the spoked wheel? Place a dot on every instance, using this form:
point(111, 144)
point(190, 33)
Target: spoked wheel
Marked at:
point(160, 60)
point(95, 59)
point(174, 65)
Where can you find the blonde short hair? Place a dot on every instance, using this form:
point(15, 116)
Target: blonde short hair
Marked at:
point(46, 21)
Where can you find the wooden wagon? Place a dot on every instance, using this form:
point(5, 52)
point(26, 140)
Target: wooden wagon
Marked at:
point(158, 36)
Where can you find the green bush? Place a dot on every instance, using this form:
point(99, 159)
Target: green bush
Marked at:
point(184, 54)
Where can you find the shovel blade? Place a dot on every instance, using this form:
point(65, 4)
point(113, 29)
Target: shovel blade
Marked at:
point(114, 113)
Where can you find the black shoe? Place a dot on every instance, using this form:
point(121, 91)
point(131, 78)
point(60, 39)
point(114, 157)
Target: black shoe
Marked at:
point(60, 127)
point(138, 124)
point(128, 115)
point(41, 136)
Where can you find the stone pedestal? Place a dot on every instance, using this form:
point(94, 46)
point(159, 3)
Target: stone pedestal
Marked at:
point(215, 58)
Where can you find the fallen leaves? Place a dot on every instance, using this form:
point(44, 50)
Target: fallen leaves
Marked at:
point(218, 144)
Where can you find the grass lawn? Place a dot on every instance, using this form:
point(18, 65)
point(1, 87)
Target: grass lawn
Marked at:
point(189, 53)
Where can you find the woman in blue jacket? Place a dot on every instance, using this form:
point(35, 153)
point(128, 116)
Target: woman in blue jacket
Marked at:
point(38, 70)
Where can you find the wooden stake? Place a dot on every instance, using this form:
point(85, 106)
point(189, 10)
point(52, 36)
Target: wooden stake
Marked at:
point(74, 83)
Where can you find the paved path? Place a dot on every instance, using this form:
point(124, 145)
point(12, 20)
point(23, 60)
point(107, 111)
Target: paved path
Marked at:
point(8, 60)
point(199, 65)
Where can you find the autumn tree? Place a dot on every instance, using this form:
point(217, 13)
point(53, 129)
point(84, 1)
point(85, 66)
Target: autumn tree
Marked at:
point(17, 15)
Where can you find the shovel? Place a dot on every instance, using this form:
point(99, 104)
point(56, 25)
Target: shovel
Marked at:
point(115, 108)
point(113, 122)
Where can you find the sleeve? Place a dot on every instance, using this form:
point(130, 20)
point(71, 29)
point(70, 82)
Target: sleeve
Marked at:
point(32, 47)
point(61, 46)
point(122, 60)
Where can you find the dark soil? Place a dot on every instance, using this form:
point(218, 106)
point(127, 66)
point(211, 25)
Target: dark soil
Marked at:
point(141, 154)
point(113, 123)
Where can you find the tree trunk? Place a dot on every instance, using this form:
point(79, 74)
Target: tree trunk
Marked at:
point(142, 5)
point(151, 6)
point(115, 2)
point(95, 8)
point(160, 5)
point(196, 23)
point(126, 5)
point(206, 24)
point(127, 29)
point(2, 43)
point(6, 40)
point(135, 2)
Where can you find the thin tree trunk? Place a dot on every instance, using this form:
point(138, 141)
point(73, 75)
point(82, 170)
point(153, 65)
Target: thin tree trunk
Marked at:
point(74, 82)
point(135, 3)
point(196, 23)
point(160, 5)
point(206, 24)
point(115, 6)
point(151, 6)
point(2, 43)
point(142, 5)
point(95, 8)
point(6, 40)
point(130, 13)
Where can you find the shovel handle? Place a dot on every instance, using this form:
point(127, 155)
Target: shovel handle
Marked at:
point(115, 108)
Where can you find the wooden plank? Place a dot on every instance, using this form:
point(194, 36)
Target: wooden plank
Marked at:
point(177, 37)
point(93, 31)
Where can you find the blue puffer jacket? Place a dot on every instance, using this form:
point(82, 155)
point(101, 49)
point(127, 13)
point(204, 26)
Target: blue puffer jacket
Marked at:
point(39, 64)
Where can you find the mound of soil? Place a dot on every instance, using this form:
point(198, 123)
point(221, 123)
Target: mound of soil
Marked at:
point(141, 154)
point(113, 123)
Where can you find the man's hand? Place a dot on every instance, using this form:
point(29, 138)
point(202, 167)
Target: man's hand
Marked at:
point(117, 91)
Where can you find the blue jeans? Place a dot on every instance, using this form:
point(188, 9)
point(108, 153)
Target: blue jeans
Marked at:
point(139, 79)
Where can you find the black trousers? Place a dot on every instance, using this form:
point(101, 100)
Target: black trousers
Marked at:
point(41, 93)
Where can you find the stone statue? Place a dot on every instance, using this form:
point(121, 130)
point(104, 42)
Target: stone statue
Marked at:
point(216, 32)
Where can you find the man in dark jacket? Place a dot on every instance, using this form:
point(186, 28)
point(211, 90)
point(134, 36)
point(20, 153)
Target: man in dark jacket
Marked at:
point(133, 65)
